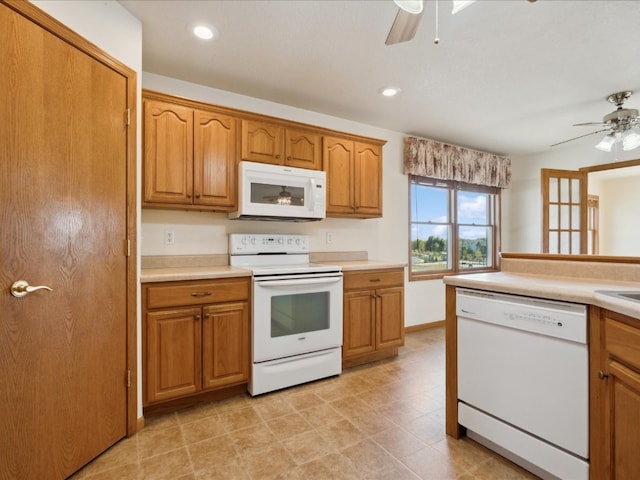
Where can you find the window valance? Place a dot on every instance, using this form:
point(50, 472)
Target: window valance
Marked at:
point(428, 158)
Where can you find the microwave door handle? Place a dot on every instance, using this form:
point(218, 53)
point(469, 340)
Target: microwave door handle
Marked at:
point(303, 281)
point(312, 194)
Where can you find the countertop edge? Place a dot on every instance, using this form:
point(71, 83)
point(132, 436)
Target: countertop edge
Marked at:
point(175, 274)
point(551, 287)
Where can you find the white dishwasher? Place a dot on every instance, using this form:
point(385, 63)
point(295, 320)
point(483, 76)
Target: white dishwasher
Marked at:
point(523, 386)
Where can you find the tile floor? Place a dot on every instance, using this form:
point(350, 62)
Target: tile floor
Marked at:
point(379, 421)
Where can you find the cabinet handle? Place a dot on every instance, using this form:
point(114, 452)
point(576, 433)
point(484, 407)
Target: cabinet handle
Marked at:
point(602, 375)
point(200, 294)
point(374, 280)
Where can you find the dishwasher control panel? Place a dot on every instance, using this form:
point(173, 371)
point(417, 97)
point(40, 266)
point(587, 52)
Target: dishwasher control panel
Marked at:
point(536, 315)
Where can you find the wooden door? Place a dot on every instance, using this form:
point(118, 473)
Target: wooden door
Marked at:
point(368, 179)
point(225, 344)
point(168, 153)
point(390, 317)
point(359, 331)
point(214, 159)
point(564, 211)
point(173, 353)
point(262, 142)
point(63, 224)
point(338, 163)
point(303, 149)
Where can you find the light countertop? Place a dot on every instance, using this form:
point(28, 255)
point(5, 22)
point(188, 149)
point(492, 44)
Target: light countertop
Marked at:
point(570, 289)
point(174, 274)
point(178, 273)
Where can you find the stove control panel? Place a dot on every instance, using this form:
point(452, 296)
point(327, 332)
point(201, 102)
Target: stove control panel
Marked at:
point(257, 243)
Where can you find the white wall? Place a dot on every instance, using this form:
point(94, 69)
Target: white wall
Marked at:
point(384, 239)
point(522, 204)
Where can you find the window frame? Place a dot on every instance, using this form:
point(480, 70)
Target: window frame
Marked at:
point(452, 188)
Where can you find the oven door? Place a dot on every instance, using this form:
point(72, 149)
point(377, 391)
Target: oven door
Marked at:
point(296, 314)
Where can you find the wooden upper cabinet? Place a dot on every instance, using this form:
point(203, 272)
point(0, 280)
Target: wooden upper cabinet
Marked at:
point(262, 142)
point(303, 149)
point(168, 153)
point(266, 142)
point(214, 159)
point(354, 177)
point(368, 179)
point(190, 157)
point(338, 164)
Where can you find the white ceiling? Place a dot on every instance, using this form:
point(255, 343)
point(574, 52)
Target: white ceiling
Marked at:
point(508, 76)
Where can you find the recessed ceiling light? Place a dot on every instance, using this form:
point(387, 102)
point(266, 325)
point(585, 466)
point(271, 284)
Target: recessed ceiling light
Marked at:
point(203, 31)
point(389, 91)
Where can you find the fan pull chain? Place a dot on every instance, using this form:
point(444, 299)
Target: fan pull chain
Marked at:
point(437, 39)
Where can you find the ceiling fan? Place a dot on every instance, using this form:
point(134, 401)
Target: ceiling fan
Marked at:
point(284, 198)
point(405, 25)
point(622, 125)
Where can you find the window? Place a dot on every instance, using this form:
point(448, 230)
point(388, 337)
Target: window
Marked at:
point(443, 214)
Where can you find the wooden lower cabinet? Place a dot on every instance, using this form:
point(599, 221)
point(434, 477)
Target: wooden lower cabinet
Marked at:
point(615, 397)
point(373, 315)
point(195, 337)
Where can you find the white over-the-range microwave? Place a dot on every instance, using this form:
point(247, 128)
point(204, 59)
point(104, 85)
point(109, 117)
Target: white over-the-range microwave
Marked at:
point(276, 192)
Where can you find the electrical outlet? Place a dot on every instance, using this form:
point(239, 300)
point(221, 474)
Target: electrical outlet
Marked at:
point(169, 237)
point(329, 237)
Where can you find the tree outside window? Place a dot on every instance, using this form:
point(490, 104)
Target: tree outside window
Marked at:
point(446, 214)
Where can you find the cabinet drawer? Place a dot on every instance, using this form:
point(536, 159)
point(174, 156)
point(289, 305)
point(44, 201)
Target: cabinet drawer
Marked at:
point(197, 293)
point(373, 279)
point(623, 342)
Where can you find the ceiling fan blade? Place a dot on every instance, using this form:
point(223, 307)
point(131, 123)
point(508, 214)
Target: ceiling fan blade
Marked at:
point(576, 138)
point(404, 27)
point(589, 124)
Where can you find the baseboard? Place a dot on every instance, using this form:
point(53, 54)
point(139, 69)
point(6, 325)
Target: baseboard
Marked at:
point(424, 326)
point(140, 424)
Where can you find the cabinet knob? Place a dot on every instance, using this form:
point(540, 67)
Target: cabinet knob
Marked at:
point(197, 317)
point(277, 155)
point(289, 158)
point(197, 195)
point(602, 375)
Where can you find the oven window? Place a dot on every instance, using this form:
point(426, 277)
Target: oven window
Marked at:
point(299, 313)
point(276, 194)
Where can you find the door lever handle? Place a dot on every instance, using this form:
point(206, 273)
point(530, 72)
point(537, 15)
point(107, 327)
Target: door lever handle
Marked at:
point(21, 288)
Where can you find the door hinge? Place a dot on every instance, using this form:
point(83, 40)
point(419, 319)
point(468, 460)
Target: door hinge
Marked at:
point(127, 248)
point(127, 117)
point(128, 382)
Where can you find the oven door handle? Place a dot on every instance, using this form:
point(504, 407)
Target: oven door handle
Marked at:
point(302, 281)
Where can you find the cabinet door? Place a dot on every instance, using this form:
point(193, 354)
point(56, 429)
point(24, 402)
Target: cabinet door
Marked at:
point(623, 421)
point(389, 317)
point(262, 142)
point(303, 149)
point(215, 150)
point(168, 153)
point(337, 162)
point(359, 317)
point(173, 354)
point(225, 345)
point(368, 179)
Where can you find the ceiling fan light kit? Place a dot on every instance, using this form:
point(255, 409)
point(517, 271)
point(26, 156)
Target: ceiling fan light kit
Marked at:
point(410, 6)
